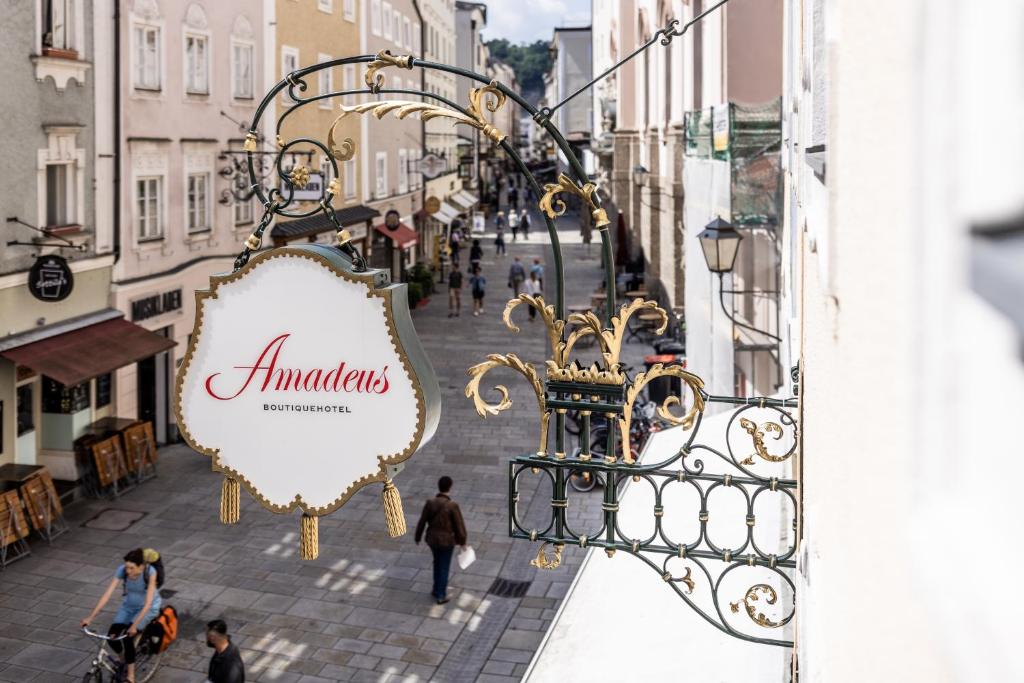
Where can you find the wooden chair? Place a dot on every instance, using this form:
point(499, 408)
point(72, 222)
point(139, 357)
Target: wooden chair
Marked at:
point(108, 456)
point(140, 450)
point(43, 504)
point(13, 528)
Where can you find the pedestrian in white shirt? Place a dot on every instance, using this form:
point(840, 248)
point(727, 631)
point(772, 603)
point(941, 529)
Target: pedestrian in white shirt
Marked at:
point(532, 287)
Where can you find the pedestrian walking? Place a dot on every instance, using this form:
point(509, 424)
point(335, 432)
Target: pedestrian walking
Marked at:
point(476, 254)
point(477, 283)
point(532, 287)
point(524, 223)
point(516, 276)
point(499, 221)
point(455, 242)
point(513, 224)
point(226, 663)
point(538, 270)
point(454, 291)
point(513, 198)
point(141, 604)
point(499, 243)
point(445, 529)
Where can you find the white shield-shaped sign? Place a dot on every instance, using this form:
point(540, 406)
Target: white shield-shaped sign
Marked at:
point(304, 380)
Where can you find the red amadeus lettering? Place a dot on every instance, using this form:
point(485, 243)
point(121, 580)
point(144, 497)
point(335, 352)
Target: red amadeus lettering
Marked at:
point(268, 376)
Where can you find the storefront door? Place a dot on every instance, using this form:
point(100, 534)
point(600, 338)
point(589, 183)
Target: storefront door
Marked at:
point(154, 383)
point(25, 448)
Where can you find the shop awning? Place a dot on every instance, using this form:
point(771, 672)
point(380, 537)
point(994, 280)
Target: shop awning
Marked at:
point(464, 199)
point(73, 357)
point(403, 236)
point(446, 214)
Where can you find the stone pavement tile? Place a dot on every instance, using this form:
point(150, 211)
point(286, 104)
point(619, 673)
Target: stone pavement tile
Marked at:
point(440, 629)
point(391, 666)
point(517, 656)
point(236, 597)
point(271, 602)
point(10, 647)
point(499, 668)
point(274, 676)
point(331, 656)
point(418, 672)
point(423, 657)
point(48, 658)
point(404, 640)
point(387, 651)
point(169, 674)
point(338, 673)
point(51, 677)
point(487, 678)
point(314, 609)
point(391, 621)
point(314, 679)
point(363, 661)
point(351, 645)
point(343, 630)
point(374, 635)
point(363, 676)
point(520, 670)
point(17, 674)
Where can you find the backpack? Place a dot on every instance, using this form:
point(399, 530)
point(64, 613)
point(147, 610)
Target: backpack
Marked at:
point(168, 622)
point(154, 560)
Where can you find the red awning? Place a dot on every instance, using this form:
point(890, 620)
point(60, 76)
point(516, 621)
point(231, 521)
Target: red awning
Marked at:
point(403, 236)
point(73, 357)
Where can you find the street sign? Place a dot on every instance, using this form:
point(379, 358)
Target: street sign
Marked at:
point(305, 399)
point(50, 279)
point(312, 192)
point(432, 166)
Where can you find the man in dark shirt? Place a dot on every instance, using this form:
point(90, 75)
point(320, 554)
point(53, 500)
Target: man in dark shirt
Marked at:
point(226, 664)
point(445, 529)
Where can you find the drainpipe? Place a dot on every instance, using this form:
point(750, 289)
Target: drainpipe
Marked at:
point(117, 130)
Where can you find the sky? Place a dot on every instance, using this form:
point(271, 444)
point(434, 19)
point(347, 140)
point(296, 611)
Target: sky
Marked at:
point(528, 20)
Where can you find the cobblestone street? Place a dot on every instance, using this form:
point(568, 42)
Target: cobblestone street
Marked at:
point(362, 611)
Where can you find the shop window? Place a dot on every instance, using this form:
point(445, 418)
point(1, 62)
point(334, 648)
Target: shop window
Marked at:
point(64, 400)
point(104, 386)
point(26, 412)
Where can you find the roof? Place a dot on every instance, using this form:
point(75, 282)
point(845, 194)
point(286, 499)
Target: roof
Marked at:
point(319, 222)
point(470, 6)
point(73, 357)
point(403, 236)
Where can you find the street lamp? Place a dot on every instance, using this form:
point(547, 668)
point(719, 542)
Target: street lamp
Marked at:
point(720, 242)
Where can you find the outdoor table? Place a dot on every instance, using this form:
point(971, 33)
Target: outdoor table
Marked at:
point(636, 294)
point(16, 475)
point(646, 323)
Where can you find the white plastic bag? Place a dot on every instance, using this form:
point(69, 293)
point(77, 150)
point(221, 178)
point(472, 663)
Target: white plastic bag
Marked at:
point(467, 556)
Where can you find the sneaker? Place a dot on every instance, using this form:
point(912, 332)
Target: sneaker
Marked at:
point(442, 601)
point(451, 315)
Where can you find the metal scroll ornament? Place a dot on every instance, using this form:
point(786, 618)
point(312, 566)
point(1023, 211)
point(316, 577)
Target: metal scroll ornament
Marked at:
point(384, 58)
point(554, 206)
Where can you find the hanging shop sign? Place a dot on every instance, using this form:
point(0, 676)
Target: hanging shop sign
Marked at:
point(431, 166)
point(50, 279)
point(305, 381)
point(392, 219)
point(432, 205)
point(312, 191)
point(720, 127)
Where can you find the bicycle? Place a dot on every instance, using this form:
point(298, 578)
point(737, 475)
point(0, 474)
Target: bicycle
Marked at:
point(147, 659)
point(641, 427)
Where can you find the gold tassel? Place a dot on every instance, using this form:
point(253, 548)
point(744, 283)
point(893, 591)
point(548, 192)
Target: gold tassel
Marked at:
point(309, 545)
point(393, 514)
point(230, 501)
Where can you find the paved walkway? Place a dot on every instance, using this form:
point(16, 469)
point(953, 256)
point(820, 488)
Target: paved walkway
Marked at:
point(362, 611)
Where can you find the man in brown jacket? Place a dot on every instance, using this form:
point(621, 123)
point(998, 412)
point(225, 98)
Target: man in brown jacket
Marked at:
point(443, 521)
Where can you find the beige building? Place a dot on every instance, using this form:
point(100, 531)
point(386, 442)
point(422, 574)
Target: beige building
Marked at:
point(306, 33)
point(390, 148)
point(471, 55)
point(440, 138)
point(183, 65)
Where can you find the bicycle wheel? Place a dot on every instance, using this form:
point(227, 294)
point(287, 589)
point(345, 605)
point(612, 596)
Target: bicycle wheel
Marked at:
point(94, 675)
point(146, 662)
point(572, 422)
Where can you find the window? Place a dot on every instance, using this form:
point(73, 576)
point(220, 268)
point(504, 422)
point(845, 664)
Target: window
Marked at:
point(382, 175)
point(241, 80)
point(243, 212)
point(197, 70)
point(350, 10)
point(59, 399)
point(26, 410)
point(289, 63)
point(403, 171)
point(398, 28)
point(58, 25)
point(388, 26)
point(350, 82)
point(59, 195)
point(324, 81)
point(349, 173)
point(375, 18)
point(407, 32)
point(326, 171)
point(149, 207)
point(416, 39)
point(104, 389)
point(325, 5)
point(147, 57)
point(198, 209)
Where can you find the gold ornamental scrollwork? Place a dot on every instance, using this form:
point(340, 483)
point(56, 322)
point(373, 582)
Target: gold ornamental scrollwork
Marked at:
point(488, 97)
point(425, 110)
point(553, 325)
point(513, 362)
point(757, 434)
point(299, 176)
point(554, 206)
point(384, 58)
point(751, 597)
point(695, 384)
point(542, 561)
point(611, 339)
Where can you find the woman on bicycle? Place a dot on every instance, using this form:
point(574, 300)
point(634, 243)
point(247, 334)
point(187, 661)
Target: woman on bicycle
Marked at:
point(140, 606)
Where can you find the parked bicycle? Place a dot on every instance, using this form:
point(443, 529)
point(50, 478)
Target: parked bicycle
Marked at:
point(108, 667)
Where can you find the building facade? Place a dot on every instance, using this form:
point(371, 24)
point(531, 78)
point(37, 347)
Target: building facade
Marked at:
point(471, 55)
point(390, 147)
point(190, 78)
point(570, 71)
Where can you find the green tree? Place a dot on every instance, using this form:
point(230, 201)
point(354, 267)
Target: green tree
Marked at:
point(529, 61)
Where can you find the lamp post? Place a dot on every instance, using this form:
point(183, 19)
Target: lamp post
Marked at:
point(720, 242)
